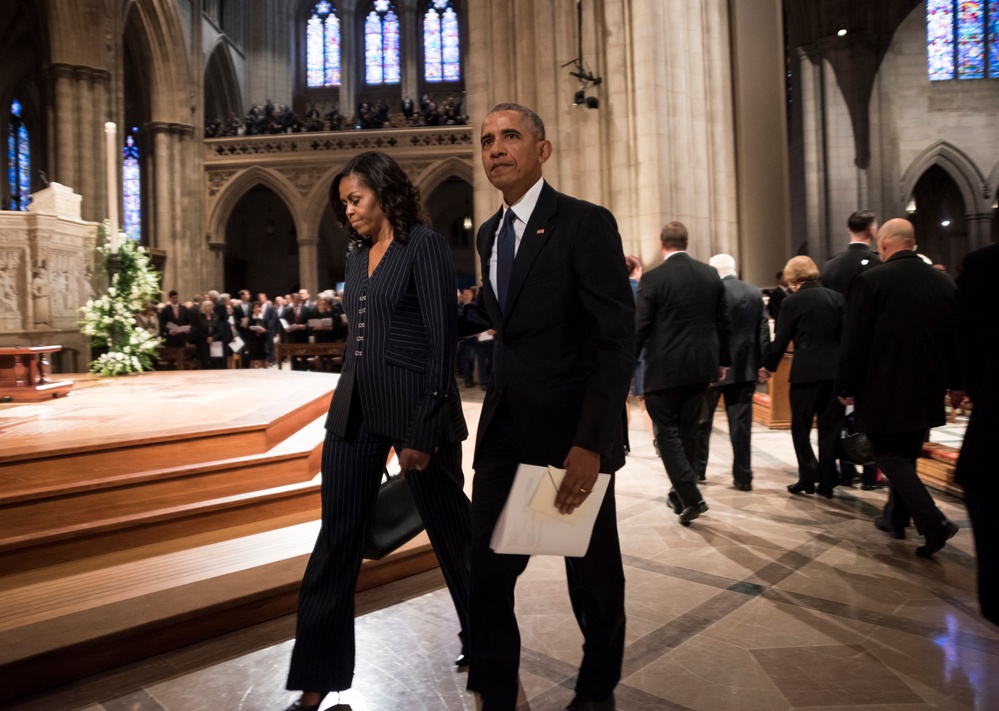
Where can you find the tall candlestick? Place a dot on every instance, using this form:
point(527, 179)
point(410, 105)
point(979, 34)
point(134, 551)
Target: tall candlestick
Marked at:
point(111, 140)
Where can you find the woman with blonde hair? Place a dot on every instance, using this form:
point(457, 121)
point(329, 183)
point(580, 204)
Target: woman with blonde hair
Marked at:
point(811, 317)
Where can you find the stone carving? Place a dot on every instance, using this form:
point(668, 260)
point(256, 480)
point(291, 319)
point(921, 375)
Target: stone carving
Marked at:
point(304, 179)
point(42, 295)
point(334, 141)
point(10, 262)
point(217, 180)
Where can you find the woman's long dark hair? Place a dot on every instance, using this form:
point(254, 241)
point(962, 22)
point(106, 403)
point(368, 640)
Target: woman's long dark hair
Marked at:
point(398, 198)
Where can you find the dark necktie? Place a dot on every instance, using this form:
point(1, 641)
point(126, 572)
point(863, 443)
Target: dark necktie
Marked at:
point(505, 243)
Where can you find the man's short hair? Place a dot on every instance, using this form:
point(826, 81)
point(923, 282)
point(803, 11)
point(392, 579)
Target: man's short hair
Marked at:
point(674, 235)
point(800, 269)
point(861, 221)
point(533, 120)
point(173, 293)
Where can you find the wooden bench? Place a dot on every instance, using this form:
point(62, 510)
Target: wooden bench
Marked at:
point(175, 357)
point(330, 355)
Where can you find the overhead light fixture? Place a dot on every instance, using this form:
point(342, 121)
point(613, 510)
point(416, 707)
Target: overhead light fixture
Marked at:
point(841, 33)
point(945, 223)
point(467, 223)
point(911, 207)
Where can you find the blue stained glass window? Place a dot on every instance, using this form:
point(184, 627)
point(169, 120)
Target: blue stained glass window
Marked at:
point(18, 160)
point(441, 45)
point(971, 40)
point(962, 39)
point(993, 39)
point(322, 46)
point(132, 189)
point(381, 45)
point(940, 38)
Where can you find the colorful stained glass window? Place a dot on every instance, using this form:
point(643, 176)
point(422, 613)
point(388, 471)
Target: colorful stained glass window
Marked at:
point(322, 46)
point(132, 188)
point(18, 160)
point(441, 45)
point(940, 38)
point(381, 45)
point(962, 39)
point(993, 39)
point(971, 40)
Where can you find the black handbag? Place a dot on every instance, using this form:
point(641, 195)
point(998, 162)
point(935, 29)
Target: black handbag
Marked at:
point(857, 448)
point(395, 521)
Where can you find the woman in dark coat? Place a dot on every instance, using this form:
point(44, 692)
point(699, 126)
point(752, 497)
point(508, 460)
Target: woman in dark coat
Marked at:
point(208, 331)
point(811, 316)
point(396, 390)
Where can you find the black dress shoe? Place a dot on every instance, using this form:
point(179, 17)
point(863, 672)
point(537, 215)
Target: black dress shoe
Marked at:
point(937, 537)
point(299, 706)
point(801, 488)
point(462, 659)
point(742, 487)
point(893, 531)
point(604, 705)
point(872, 487)
point(823, 491)
point(692, 512)
point(673, 501)
point(702, 477)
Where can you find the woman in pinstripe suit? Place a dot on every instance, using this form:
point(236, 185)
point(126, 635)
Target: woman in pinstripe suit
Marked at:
point(397, 389)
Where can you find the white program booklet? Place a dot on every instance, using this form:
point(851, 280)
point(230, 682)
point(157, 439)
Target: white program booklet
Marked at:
point(531, 525)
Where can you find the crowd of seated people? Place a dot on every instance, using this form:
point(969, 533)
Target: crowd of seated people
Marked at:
point(271, 119)
point(217, 328)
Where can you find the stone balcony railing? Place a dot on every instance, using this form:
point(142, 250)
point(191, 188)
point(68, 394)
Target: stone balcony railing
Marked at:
point(321, 145)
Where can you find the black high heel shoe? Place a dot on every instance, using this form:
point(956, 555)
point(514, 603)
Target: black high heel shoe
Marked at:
point(299, 706)
point(801, 488)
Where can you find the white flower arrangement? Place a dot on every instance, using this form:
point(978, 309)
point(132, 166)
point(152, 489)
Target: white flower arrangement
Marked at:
point(109, 320)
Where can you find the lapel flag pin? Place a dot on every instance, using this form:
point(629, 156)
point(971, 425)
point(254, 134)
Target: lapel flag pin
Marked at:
point(541, 231)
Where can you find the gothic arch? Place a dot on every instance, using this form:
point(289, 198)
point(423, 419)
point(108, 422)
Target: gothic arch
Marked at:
point(437, 173)
point(167, 67)
point(222, 95)
point(237, 188)
point(961, 168)
point(993, 185)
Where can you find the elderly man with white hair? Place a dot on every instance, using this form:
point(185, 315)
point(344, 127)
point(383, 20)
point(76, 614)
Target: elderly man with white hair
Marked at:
point(748, 339)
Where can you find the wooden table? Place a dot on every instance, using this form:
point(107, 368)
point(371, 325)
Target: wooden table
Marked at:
point(331, 353)
point(24, 374)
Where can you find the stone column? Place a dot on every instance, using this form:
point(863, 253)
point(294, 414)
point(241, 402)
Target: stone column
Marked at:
point(65, 126)
point(162, 231)
point(98, 199)
point(979, 230)
point(816, 189)
point(411, 30)
point(761, 138)
point(349, 58)
point(308, 263)
point(88, 149)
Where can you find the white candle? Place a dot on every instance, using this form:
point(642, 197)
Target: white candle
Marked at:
point(111, 136)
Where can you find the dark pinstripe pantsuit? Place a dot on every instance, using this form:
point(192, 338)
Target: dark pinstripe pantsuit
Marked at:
point(323, 657)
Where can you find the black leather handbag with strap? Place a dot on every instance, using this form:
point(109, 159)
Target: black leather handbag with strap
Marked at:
point(395, 521)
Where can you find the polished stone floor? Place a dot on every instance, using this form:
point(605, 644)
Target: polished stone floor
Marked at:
point(768, 602)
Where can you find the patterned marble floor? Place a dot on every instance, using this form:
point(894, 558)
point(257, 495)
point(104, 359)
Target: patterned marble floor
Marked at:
point(769, 602)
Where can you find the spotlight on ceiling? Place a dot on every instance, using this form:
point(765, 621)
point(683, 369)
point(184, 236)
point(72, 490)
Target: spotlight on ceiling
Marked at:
point(592, 102)
point(841, 33)
point(579, 98)
point(945, 223)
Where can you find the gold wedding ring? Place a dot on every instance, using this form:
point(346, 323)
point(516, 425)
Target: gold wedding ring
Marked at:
point(583, 491)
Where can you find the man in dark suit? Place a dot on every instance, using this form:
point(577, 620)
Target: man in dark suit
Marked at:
point(682, 323)
point(557, 395)
point(297, 315)
point(899, 356)
point(749, 336)
point(839, 271)
point(978, 302)
point(174, 313)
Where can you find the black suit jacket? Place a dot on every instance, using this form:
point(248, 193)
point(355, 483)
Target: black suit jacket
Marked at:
point(900, 350)
point(564, 351)
point(978, 302)
point(682, 323)
point(401, 344)
point(812, 317)
point(183, 318)
point(839, 271)
point(749, 330)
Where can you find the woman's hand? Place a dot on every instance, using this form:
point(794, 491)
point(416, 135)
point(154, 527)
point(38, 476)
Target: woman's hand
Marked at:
point(413, 459)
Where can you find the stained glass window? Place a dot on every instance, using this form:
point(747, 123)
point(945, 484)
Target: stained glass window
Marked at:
point(441, 46)
point(132, 188)
point(381, 45)
point(18, 160)
point(322, 46)
point(962, 39)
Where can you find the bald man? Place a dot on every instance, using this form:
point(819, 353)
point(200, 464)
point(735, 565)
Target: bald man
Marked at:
point(899, 357)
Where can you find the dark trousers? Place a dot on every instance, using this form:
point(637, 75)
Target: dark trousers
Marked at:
point(675, 413)
point(896, 455)
point(739, 410)
point(466, 360)
point(484, 356)
point(323, 656)
point(981, 496)
point(810, 400)
point(596, 585)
